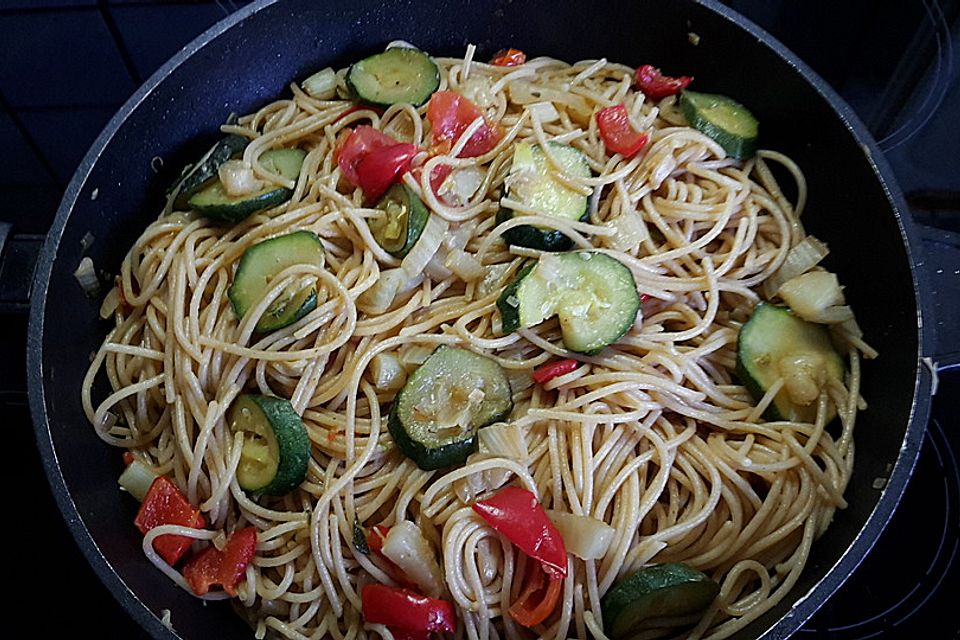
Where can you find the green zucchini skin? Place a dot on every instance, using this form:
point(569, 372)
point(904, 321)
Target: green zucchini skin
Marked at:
point(772, 333)
point(263, 261)
point(661, 591)
point(196, 177)
point(415, 218)
point(722, 119)
point(398, 75)
point(292, 444)
point(542, 191)
point(213, 202)
point(422, 439)
point(594, 295)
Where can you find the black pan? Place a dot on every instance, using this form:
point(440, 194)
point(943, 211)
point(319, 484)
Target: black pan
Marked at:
point(248, 59)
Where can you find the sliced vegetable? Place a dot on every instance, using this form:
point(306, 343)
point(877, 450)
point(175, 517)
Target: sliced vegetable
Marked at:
point(538, 599)
point(584, 536)
point(816, 296)
point(533, 184)
point(518, 515)
point(618, 134)
point(655, 85)
point(406, 547)
point(661, 591)
point(213, 567)
point(398, 75)
point(594, 295)
point(404, 217)
point(137, 479)
point(801, 258)
point(775, 344)
point(450, 114)
point(406, 610)
point(724, 120)
point(322, 85)
point(551, 370)
point(165, 504)
point(276, 447)
point(387, 373)
point(373, 160)
point(214, 202)
point(435, 417)
point(508, 58)
point(261, 263)
point(204, 172)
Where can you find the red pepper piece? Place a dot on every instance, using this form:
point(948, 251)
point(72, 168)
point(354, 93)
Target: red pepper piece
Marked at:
point(450, 114)
point(551, 370)
point(128, 458)
point(213, 567)
point(508, 58)
point(517, 514)
point(164, 504)
point(537, 600)
point(655, 85)
point(618, 134)
point(373, 160)
point(406, 610)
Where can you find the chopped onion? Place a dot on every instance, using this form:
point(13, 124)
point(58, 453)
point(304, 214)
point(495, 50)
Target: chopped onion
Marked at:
point(391, 284)
point(238, 179)
point(803, 257)
point(322, 85)
point(584, 536)
point(415, 355)
point(430, 240)
point(86, 276)
point(388, 374)
point(406, 547)
point(630, 231)
point(492, 279)
point(523, 92)
point(137, 478)
point(812, 293)
point(503, 440)
point(545, 112)
point(464, 265)
point(460, 185)
point(401, 44)
point(477, 89)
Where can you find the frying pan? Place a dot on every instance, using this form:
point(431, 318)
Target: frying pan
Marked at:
point(248, 59)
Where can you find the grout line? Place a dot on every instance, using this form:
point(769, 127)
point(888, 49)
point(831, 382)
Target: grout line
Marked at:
point(38, 152)
point(118, 41)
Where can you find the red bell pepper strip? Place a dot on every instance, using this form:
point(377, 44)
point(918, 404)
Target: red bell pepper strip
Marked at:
point(373, 160)
point(555, 369)
point(517, 514)
point(450, 114)
point(164, 504)
point(406, 610)
point(508, 58)
point(655, 85)
point(537, 600)
point(225, 568)
point(128, 458)
point(618, 134)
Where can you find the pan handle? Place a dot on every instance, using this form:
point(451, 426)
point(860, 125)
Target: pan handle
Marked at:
point(941, 250)
point(18, 261)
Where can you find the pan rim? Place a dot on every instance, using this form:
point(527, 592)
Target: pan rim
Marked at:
point(803, 608)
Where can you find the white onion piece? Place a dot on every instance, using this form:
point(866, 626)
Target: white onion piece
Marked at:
point(805, 256)
point(86, 275)
point(464, 265)
point(816, 296)
point(584, 536)
point(406, 547)
point(426, 246)
point(238, 179)
point(401, 44)
point(545, 112)
point(322, 85)
point(387, 372)
point(457, 189)
point(137, 478)
point(630, 231)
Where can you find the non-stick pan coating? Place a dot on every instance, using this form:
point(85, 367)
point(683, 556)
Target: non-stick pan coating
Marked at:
point(250, 58)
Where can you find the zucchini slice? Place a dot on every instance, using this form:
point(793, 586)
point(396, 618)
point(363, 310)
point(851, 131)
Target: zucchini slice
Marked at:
point(594, 295)
point(531, 182)
point(724, 120)
point(662, 591)
point(276, 447)
point(204, 171)
point(398, 75)
point(213, 201)
point(435, 417)
point(774, 343)
point(403, 221)
point(261, 263)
